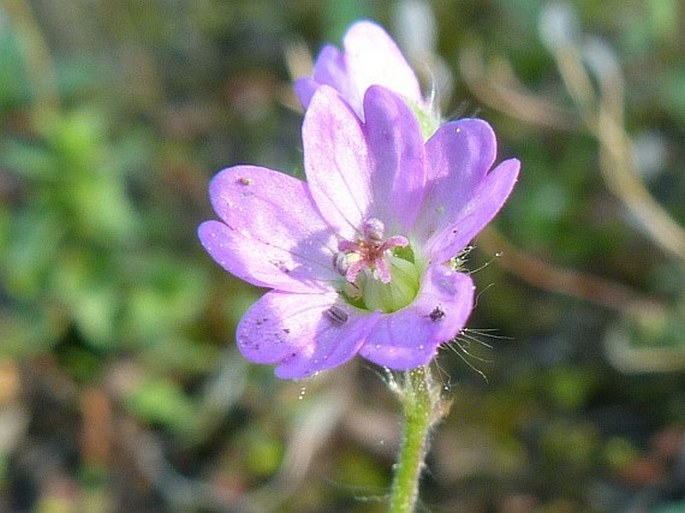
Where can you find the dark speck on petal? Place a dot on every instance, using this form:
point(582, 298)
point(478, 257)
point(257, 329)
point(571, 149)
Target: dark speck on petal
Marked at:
point(437, 314)
point(337, 315)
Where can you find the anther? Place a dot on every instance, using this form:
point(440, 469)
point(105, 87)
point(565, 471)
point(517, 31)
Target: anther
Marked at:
point(340, 262)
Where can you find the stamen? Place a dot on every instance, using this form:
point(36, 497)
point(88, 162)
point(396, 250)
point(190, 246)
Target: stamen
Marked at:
point(341, 263)
point(354, 270)
point(383, 270)
point(396, 241)
point(370, 252)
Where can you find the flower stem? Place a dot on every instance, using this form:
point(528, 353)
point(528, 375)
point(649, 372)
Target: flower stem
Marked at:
point(422, 408)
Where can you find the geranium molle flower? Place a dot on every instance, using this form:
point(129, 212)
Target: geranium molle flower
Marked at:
point(356, 257)
point(369, 57)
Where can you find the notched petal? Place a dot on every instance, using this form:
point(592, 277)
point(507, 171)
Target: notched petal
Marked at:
point(458, 157)
point(336, 162)
point(397, 157)
point(485, 202)
point(271, 235)
point(370, 57)
point(373, 58)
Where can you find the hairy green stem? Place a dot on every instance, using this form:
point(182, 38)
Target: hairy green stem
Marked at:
point(422, 407)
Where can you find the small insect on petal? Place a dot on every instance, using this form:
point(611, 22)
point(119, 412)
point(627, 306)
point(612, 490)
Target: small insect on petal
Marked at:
point(245, 181)
point(437, 314)
point(337, 315)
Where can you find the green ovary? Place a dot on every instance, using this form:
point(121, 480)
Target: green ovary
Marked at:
point(392, 296)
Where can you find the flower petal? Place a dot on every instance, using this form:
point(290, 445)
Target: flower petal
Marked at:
point(329, 69)
point(370, 57)
point(273, 235)
point(336, 162)
point(482, 206)
point(302, 333)
point(396, 151)
point(410, 337)
point(305, 88)
point(373, 58)
point(458, 156)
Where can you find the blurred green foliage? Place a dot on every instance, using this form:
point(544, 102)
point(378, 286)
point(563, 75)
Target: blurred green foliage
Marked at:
point(113, 117)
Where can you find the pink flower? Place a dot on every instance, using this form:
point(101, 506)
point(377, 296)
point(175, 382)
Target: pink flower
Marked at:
point(356, 256)
point(370, 57)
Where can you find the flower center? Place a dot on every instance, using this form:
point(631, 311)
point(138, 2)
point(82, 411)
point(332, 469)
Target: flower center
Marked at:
point(376, 277)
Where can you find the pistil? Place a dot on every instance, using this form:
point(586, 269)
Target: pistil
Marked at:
point(370, 252)
point(374, 273)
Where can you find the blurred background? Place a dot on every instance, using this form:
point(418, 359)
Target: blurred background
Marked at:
point(120, 386)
